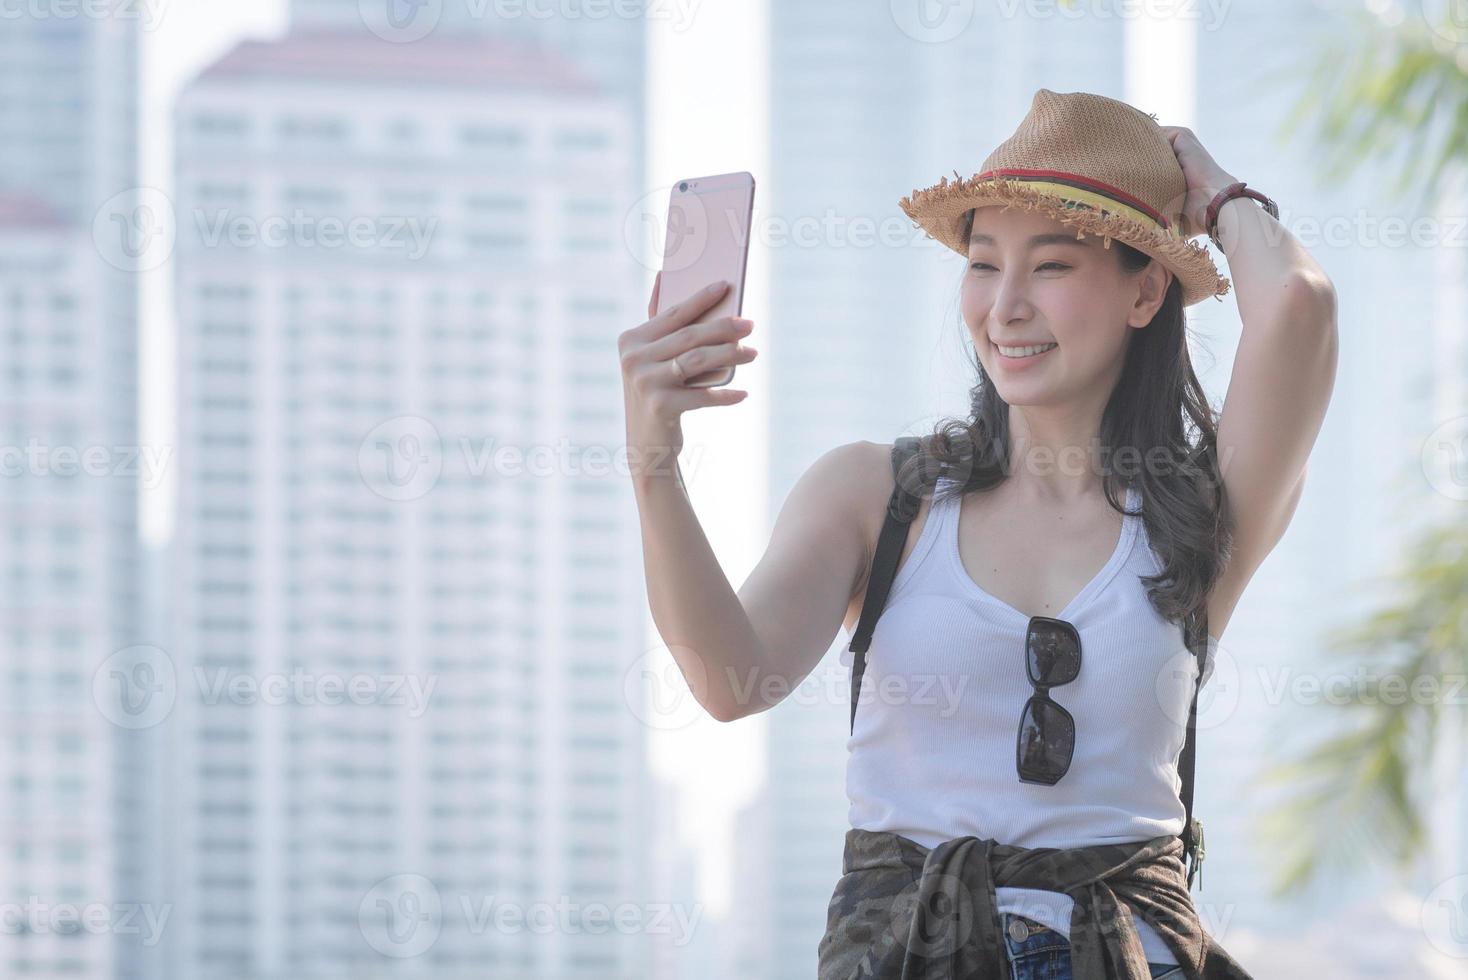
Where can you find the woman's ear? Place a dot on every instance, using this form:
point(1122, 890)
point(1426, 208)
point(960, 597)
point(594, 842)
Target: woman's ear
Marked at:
point(1153, 283)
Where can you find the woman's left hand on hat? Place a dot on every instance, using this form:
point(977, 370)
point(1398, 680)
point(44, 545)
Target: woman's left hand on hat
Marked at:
point(1204, 177)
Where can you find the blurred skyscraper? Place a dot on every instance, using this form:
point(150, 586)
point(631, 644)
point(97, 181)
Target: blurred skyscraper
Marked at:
point(373, 436)
point(686, 944)
point(68, 495)
point(747, 946)
point(606, 41)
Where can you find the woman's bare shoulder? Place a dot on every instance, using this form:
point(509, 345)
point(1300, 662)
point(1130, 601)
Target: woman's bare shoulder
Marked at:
point(868, 492)
point(861, 476)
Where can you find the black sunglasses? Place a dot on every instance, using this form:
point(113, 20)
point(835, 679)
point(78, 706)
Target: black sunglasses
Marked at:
point(1047, 732)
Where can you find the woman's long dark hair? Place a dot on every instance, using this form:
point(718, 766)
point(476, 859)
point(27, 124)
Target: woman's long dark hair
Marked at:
point(1145, 438)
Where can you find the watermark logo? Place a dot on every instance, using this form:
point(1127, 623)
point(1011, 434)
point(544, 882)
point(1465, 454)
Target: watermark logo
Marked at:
point(938, 923)
point(401, 916)
point(1218, 699)
point(148, 13)
point(136, 687)
point(38, 459)
point(400, 21)
point(932, 21)
point(135, 230)
point(307, 689)
point(1448, 19)
point(402, 458)
point(1445, 458)
point(659, 693)
point(1363, 684)
point(35, 917)
point(672, 244)
point(408, 235)
point(1445, 917)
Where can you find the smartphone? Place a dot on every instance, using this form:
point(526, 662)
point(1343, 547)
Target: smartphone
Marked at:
point(707, 239)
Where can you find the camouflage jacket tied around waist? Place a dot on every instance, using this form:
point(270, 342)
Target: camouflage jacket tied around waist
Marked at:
point(902, 910)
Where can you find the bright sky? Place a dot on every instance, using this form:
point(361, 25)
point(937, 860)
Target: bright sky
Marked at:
point(708, 114)
point(190, 35)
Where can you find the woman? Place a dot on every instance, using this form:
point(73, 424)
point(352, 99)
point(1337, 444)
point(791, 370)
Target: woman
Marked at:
point(973, 850)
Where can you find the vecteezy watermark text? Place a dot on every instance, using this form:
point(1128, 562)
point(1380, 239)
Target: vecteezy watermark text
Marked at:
point(410, 233)
point(308, 688)
point(37, 917)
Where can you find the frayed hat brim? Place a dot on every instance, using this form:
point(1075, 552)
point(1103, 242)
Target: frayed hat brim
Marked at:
point(938, 210)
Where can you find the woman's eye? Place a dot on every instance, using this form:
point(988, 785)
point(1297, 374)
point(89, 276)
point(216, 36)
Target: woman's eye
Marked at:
point(1047, 265)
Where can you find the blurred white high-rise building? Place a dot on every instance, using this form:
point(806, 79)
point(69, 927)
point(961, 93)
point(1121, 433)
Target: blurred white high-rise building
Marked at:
point(745, 939)
point(605, 41)
point(400, 281)
point(688, 942)
point(69, 475)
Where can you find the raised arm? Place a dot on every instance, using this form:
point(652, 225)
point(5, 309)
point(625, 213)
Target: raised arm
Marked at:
point(1285, 368)
point(743, 653)
point(798, 594)
point(1283, 375)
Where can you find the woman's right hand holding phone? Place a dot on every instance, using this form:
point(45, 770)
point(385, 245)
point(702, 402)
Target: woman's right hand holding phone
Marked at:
point(671, 346)
point(697, 612)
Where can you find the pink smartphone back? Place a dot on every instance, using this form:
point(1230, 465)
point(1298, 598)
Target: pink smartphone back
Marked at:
point(707, 239)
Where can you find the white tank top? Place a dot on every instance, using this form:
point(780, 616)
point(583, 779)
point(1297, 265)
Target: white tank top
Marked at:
point(932, 755)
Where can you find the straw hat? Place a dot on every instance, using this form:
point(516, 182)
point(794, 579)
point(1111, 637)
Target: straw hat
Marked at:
point(1097, 164)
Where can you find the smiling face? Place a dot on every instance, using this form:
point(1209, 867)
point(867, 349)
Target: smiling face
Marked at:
point(1030, 282)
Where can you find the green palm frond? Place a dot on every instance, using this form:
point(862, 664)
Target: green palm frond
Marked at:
point(1396, 97)
point(1363, 790)
point(1398, 94)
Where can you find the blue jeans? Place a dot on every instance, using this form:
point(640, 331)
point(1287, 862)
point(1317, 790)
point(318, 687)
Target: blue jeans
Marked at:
point(1045, 955)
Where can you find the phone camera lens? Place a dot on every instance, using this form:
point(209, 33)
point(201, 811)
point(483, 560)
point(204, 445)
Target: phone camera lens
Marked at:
point(683, 186)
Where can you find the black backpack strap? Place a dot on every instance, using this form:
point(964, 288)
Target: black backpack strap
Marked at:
point(1192, 835)
point(902, 507)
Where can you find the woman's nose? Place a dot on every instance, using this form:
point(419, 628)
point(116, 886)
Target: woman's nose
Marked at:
point(1010, 300)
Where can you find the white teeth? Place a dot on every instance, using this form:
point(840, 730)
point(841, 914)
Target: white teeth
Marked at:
point(1024, 351)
